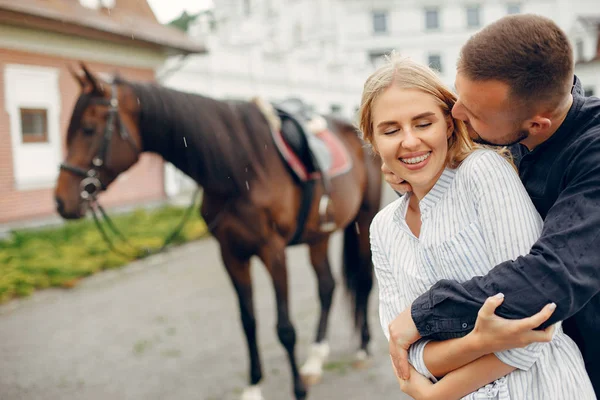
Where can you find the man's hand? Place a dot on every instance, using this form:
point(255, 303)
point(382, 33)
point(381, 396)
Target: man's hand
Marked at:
point(397, 183)
point(417, 386)
point(493, 333)
point(403, 333)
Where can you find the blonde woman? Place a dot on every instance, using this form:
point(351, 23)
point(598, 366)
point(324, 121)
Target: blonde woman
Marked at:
point(467, 212)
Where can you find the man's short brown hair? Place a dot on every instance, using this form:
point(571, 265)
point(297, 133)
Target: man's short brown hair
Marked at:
point(529, 53)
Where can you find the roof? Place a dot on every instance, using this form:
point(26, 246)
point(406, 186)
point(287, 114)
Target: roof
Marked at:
point(127, 21)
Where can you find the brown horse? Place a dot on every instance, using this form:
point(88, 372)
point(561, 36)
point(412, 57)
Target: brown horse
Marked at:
point(251, 200)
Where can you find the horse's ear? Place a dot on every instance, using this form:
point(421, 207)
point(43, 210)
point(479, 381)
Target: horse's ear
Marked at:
point(76, 76)
point(95, 83)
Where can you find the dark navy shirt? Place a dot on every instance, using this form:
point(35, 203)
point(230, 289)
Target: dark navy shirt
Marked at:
point(562, 176)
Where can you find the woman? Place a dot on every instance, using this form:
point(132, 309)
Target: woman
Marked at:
point(468, 211)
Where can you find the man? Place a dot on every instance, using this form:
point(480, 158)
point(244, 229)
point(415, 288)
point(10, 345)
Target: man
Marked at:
point(516, 86)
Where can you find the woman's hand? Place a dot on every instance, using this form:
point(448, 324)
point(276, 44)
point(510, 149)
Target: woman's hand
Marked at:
point(417, 386)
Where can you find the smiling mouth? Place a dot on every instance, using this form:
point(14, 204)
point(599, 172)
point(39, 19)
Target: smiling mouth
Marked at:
point(416, 160)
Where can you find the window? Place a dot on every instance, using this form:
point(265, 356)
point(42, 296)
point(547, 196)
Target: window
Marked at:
point(579, 50)
point(435, 62)
point(473, 20)
point(380, 21)
point(513, 8)
point(34, 125)
point(588, 92)
point(432, 19)
point(377, 57)
point(33, 104)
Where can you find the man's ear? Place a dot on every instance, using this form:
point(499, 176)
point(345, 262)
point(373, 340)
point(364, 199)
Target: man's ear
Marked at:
point(538, 125)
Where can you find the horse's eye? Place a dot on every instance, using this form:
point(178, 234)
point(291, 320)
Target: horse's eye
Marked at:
point(88, 130)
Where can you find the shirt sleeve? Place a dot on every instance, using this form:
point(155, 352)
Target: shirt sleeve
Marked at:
point(561, 266)
point(390, 305)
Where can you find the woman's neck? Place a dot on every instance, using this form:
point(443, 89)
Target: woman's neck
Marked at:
point(413, 215)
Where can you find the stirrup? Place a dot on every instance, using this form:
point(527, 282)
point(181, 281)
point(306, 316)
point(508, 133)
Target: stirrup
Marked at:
point(327, 224)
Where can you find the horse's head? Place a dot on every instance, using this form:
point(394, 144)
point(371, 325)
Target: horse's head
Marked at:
point(103, 140)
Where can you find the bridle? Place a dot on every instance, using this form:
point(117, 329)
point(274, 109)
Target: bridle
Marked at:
point(91, 185)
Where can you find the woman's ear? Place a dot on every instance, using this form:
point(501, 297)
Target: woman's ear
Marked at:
point(450, 124)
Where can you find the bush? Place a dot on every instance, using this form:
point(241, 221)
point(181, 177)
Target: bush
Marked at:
point(60, 257)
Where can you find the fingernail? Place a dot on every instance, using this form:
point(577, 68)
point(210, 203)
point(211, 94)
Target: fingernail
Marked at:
point(499, 295)
point(552, 306)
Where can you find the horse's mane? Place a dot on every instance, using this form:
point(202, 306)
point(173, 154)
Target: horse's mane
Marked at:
point(219, 144)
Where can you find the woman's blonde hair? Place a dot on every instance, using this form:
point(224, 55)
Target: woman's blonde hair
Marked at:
point(405, 73)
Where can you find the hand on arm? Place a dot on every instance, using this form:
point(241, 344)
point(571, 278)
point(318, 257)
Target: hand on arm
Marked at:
point(491, 334)
point(458, 383)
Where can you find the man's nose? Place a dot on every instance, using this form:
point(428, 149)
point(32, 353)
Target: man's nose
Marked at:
point(458, 112)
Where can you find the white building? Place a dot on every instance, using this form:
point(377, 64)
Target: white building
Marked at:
point(322, 51)
point(585, 34)
point(433, 31)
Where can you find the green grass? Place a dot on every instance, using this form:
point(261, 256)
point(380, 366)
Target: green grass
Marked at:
point(60, 257)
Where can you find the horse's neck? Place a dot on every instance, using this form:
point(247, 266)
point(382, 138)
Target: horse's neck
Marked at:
point(193, 147)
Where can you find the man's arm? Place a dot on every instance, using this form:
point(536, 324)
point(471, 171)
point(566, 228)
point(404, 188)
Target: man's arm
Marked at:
point(562, 266)
point(435, 359)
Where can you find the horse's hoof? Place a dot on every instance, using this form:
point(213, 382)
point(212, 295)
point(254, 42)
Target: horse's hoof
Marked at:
point(252, 393)
point(361, 360)
point(312, 379)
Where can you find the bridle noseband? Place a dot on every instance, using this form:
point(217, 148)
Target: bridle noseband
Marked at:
point(91, 185)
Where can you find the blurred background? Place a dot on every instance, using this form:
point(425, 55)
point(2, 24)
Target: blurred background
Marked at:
point(167, 326)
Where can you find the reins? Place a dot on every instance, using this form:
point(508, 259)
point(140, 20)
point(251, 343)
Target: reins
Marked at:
point(91, 186)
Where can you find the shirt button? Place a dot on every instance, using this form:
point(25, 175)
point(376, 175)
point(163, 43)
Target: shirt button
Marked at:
point(428, 327)
point(464, 325)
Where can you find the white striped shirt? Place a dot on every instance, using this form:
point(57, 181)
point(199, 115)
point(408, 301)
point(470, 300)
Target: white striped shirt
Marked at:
point(475, 217)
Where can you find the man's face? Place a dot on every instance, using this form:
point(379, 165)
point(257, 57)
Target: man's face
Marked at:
point(486, 109)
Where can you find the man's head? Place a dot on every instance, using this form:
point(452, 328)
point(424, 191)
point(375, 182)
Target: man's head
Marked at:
point(514, 80)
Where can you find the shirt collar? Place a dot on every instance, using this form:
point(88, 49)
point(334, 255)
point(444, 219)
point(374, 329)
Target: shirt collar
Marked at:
point(428, 202)
point(437, 192)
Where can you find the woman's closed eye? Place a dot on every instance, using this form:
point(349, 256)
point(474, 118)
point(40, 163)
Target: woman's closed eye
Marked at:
point(391, 132)
point(424, 125)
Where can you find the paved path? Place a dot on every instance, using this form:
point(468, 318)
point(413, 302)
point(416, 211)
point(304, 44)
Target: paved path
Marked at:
point(168, 328)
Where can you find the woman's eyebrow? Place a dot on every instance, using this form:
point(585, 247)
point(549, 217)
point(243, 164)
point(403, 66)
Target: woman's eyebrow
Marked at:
point(423, 115)
point(384, 124)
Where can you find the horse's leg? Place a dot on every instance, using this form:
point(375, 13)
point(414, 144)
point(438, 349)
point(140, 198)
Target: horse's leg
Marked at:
point(273, 256)
point(239, 272)
point(312, 370)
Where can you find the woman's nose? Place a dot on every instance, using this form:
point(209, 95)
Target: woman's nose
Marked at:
point(410, 140)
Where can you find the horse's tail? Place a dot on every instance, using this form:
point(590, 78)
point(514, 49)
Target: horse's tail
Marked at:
point(356, 263)
point(357, 269)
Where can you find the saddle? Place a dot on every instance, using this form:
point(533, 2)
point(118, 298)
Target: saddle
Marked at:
point(299, 125)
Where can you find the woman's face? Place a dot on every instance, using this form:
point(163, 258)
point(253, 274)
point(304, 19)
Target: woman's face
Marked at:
point(411, 136)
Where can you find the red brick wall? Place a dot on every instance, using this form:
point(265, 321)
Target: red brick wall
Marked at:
point(144, 181)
